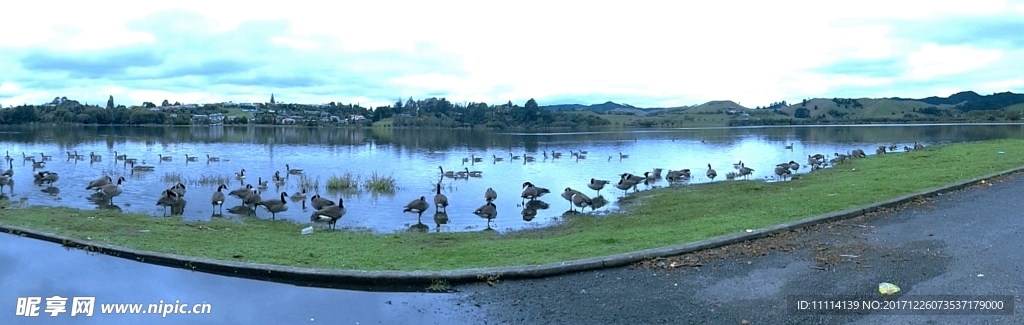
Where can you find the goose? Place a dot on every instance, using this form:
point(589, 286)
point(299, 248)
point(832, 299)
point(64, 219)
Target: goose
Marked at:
point(10, 169)
point(790, 146)
point(213, 159)
point(581, 201)
point(496, 158)
point(858, 153)
point(45, 157)
point(142, 168)
point(38, 176)
point(179, 189)
point(440, 200)
point(261, 184)
point(918, 146)
point(513, 157)
point(241, 193)
point(782, 171)
point(49, 178)
point(532, 192)
point(794, 165)
point(678, 175)
point(96, 184)
point(94, 157)
point(190, 158)
point(329, 214)
point(624, 185)
point(278, 180)
point(39, 164)
point(7, 155)
point(119, 157)
point(73, 156)
point(446, 173)
point(555, 154)
point(567, 195)
point(130, 161)
point(240, 175)
point(597, 185)
point(167, 198)
point(319, 203)
point(745, 171)
point(476, 159)
point(711, 173)
point(475, 173)
point(490, 195)
point(649, 177)
point(811, 160)
point(488, 211)
point(417, 206)
point(818, 157)
point(110, 191)
point(218, 197)
point(253, 199)
point(462, 173)
point(164, 158)
point(4, 181)
point(623, 156)
point(632, 178)
point(292, 171)
point(582, 152)
point(656, 172)
point(275, 206)
point(738, 165)
point(299, 196)
point(465, 160)
point(528, 158)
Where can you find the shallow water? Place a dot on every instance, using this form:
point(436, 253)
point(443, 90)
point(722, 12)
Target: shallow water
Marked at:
point(34, 268)
point(412, 158)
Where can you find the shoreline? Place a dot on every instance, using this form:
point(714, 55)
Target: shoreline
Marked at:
point(418, 280)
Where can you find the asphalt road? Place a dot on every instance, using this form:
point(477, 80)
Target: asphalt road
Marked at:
point(963, 243)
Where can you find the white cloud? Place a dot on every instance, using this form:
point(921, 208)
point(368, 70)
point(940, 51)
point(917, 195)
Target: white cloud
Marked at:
point(645, 53)
point(1002, 85)
point(933, 60)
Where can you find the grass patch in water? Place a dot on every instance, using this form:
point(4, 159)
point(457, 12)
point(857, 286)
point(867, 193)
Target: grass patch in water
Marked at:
point(202, 180)
point(380, 184)
point(654, 218)
point(345, 182)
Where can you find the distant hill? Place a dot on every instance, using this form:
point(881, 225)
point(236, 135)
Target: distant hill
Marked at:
point(829, 107)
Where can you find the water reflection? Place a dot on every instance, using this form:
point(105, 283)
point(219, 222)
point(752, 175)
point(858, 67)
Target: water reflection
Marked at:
point(205, 157)
point(36, 268)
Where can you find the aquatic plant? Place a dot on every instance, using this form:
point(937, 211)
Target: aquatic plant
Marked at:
point(380, 184)
point(345, 182)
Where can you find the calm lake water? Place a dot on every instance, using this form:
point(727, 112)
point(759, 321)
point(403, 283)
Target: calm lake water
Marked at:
point(412, 158)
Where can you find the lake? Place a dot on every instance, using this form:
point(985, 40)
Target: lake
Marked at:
point(412, 157)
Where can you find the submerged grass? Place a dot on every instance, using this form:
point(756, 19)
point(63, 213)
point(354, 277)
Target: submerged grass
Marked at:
point(351, 183)
point(202, 180)
point(650, 219)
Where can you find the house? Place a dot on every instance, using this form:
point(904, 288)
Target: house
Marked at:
point(357, 117)
point(288, 121)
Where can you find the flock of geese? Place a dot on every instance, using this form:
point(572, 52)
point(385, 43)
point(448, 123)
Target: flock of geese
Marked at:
point(106, 189)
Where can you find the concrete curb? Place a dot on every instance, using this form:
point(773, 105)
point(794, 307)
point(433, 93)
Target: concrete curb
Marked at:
point(418, 280)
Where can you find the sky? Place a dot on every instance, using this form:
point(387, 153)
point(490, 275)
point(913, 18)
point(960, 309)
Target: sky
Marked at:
point(643, 53)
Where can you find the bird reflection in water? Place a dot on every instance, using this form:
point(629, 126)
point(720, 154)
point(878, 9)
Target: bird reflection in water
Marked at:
point(440, 218)
point(242, 211)
point(531, 207)
point(419, 227)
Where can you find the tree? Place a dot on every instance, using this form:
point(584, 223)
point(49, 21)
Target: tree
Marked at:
point(804, 103)
point(802, 113)
point(148, 104)
point(165, 103)
point(110, 102)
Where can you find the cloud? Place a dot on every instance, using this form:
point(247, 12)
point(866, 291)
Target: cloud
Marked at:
point(92, 64)
point(993, 32)
point(884, 67)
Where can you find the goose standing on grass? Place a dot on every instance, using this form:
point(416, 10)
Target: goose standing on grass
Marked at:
point(567, 195)
point(240, 175)
point(782, 171)
point(329, 214)
point(218, 198)
point(488, 211)
point(212, 159)
point(581, 201)
point(292, 171)
point(597, 185)
point(164, 158)
point(649, 177)
point(275, 206)
point(167, 199)
point(711, 173)
point(417, 206)
point(319, 203)
point(745, 171)
point(440, 200)
point(110, 191)
point(532, 192)
point(4, 181)
point(490, 195)
point(241, 193)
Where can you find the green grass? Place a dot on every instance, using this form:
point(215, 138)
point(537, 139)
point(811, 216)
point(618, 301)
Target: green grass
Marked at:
point(345, 182)
point(203, 180)
point(380, 184)
point(650, 219)
point(351, 183)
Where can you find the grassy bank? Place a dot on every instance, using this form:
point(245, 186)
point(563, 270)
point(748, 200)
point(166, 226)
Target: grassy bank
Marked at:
point(652, 218)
